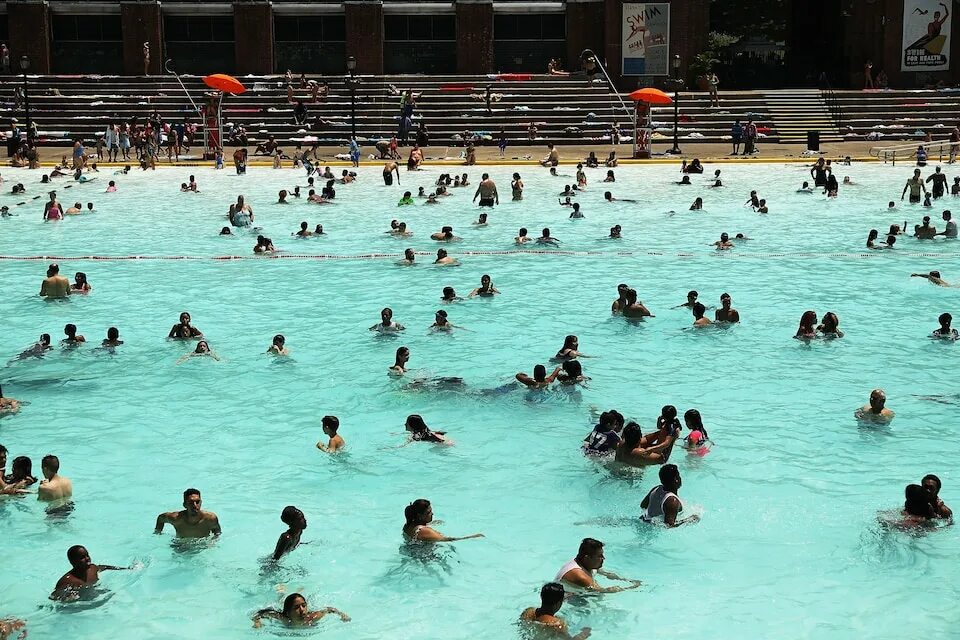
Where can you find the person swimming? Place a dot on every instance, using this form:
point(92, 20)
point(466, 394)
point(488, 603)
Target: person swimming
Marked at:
point(571, 373)
point(400, 362)
point(277, 346)
point(945, 331)
point(663, 502)
point(829, 326)
point(540, 379)
point(440, 322)
point(875, 410)
point(203, 350)
point(449, 294)
point(295, 613)
point(486, 288)
point(419, 432)
point(290, 539)
point(184, 330)
point(330, 426)
point(569, 350)
point(807, 329)
point(551, 599)
point(416, 528)
point(387, 324)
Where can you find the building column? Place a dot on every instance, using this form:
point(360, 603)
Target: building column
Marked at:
point(142, 22)
point(253, 37)
point(364, 25)
point(474, 36)
point(584, 21)
point(29, 30)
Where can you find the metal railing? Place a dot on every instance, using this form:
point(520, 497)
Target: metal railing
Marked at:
point(910, 151)
point(829, 97)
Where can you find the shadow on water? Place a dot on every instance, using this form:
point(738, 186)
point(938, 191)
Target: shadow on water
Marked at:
point(422, 559)
point(60, 510)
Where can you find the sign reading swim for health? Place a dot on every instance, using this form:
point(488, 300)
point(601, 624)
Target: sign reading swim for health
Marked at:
point(646, 39)
point(926, 35)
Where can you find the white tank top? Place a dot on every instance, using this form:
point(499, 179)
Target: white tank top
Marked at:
point(568, 567)
point(658, 495)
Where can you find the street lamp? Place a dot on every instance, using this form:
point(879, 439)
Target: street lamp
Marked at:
point(676, 103)
point(24, 65)
point(352, 83)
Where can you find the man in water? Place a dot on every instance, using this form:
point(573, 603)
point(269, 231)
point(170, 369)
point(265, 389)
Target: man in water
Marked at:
point(951, 229)
point(388, 170)
point(83, 573)
point(875, 411)
point(487, 192)
point(551, 599)
point(932, 484)
point(939, 180)
point(386, 324)
point(192, 522)
point(662, 501)
point(54, 285)
point(691, 300)
point(915, 185)
point(53, 486)
point(726, 313)
point(331, 424)
point(579, 572)
point(933, 277)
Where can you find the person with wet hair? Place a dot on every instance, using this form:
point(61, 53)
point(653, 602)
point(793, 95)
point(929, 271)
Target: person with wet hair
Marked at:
point(295, 613)
point(418, 516)
point(551, 599)
point(289, 539)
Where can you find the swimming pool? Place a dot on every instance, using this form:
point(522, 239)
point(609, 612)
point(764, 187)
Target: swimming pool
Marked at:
point(788, 541)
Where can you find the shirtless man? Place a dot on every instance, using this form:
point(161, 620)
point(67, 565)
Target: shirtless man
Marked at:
point(933, 277)
point(331, 424)
point(875, 411)
point(551, 599)
point(386, 324)
point(915, 185)
point(54, 285)
point(699, 319)
point(192, 522)
point(75, 210)
point(553, 157)
point(579, 572)
point(726, 313)
point(83, 573)
point(388, 170)
point(487, 192)
point(53, 486)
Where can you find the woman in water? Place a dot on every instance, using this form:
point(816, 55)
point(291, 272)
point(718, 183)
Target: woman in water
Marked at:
point(807, 329)
point(277, 347)
point(486, 288)
point(295, 613)
point(659, 444)
point(400, 362)
point(872, 239)
point(440, 322)
point(540, 379)
point(184, 330)
point(21, 472)
point(516, 185)
point(450, 295)
point(419, 432)
point(418, 515)
point(203, 349)
point(8, 406)
point(80, 284)
point(289, 539)
point(697, 440)
point(830, 326)
point(571, 373)
point(569, 349)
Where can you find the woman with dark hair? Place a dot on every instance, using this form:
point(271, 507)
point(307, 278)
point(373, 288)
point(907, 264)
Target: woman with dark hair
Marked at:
point(295, 613)
point(20, 472)
point(918, 506)
point(659, 444)
point(808, 324)
point(571, 373)
point(8, 406)
point(419, 432)
point(830, 326)
point(400, 362)
point(80, 284)
point(569, 350)
point(418, 515)
point(288, 541)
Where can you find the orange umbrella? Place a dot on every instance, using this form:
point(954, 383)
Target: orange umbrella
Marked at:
point(651, 96)
point(225, 83)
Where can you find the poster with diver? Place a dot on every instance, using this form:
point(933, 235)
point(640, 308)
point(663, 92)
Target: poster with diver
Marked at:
point(926, 35)
point(645, 43)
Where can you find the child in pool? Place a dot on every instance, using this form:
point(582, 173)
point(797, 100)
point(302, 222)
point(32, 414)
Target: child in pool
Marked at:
point(696, 442)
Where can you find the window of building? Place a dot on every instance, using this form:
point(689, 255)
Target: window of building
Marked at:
point(421, 28)
point(310, 44)
point(98, 37)
point(525, 42)
point(199, 44)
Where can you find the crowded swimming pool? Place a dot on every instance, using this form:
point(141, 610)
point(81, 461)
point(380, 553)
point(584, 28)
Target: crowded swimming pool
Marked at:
point(788, 496)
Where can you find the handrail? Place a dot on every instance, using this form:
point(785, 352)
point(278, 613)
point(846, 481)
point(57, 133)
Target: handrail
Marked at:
point(909, 150)
point(631, 113)
point(829, 97)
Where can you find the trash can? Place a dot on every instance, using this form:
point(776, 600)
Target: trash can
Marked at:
point(813, 141)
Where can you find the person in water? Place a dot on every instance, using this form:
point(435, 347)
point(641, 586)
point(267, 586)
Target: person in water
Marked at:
point(53, 486)
point(295, 613)
point(551, 599)
point(192, 521)
point(829, 327)
point(8, 406)
point(112, 339)
point(945, 331)
point(440, 322)
point(932, 485)
point(80, 284)
point(919, 507)
point(605, 436)
point(184, 330)
point(569, 350)
point(726, 312)
point(72, 339)
point(579, 572)
point(400, 362)
point(662, 501)
point(933, 277)
point(444, 259)
point(54, 285)
point(695, 441)
point(807, 329)
point(277, 347)
point(419, 432)
point(875, 410)
point(486, 288)
point(82, 573)
point(450, 295)
point(331, 425)
point(290, 539)
point(386, 324)
point(699, 317)
point(540, 379)
point(418, 515)
point(203, 350)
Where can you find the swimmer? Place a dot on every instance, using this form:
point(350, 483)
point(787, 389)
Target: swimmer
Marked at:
point(891, 240)
point(318, 230)
point(192, 521)
point(697, 439)
point(83, 573)
point(634, 308)
point(75, 210)
point(9, 625)
point(445, 235)
point(80, 284)
point(551, 599)
point(566, 202)
point(950, 231)
point(203, 349)
point(464, 182)
point(754, 201)
point(277, 347)
point(945, 331)
point(569, 350)
point(440, 322)
point(723, 243)
point(891, 205)
point(481, 221)
point(409, 258)
point(184, 330)
point(621, 302)
point(580, 571)
point(432, 199)
point(290, 539)
point(37, 350)
point(72, 338)
point(872, 239)
point(605, 436)
point(726, 312)
point(691, 300)
point(400, 361)
point(54, 285)
point(487, 192)
point(225, 231)
point(656, 447)
point(932, 485)
point(330, 425)
point(386, 324)
point(444, 259)
point(581, 176)
point(419, 432)
point(568, 192)
point(450, 295)
point(406, 199)
point(610, 176)
point(540, 379)
point(53, 486)
point(684, 180)
point(762, 208)
point(546, 238)
point(401, 231)
point(829, 327)
point(8, 406)
point(421, 193)
point(5, 212)
point(924, 231)
point(576, 211)
point(697, 205)
point(90, 207)
point(282, 197)
point(522, 237)
point(304, 230)
point(516, 187)
point(486, 288)
point(609, 198)
point(418, 515)
point(295, 613)
point(389, 169)
point(807, 329)
point(615, 232)
point(662, 501)
point(571, 373)
point(346, 177)
point(699, 319)
point(876, 410)
point(264, 245)
point(112, 339)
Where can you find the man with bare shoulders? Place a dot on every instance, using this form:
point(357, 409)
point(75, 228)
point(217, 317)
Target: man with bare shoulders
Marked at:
point(487, 192)
point(553, 157)
point(83, 573)
point(726, 312)
point(54, 285)
point(388, 170)
point(53, 486)
point(580, 571)
point(192, 522)
point(551, 599)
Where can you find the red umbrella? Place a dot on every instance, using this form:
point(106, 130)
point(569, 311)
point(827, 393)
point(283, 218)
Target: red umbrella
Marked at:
point(225, 83)
point(651, 96)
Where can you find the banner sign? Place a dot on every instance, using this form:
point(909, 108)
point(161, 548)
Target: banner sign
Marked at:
point(926, 35)
point(645, 43)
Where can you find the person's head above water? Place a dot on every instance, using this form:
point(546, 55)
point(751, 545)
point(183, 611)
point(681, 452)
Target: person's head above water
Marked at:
point(419, 512)
point(918, 502)
point(293, 518)
point(590, 554)
point(670, 477)
point(551, 598)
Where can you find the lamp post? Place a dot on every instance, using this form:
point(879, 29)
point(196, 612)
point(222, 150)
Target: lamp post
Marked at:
point(24, 65)
point(676, 103)
point(352, 83)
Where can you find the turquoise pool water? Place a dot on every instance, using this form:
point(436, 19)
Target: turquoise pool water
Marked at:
point(788, 545)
